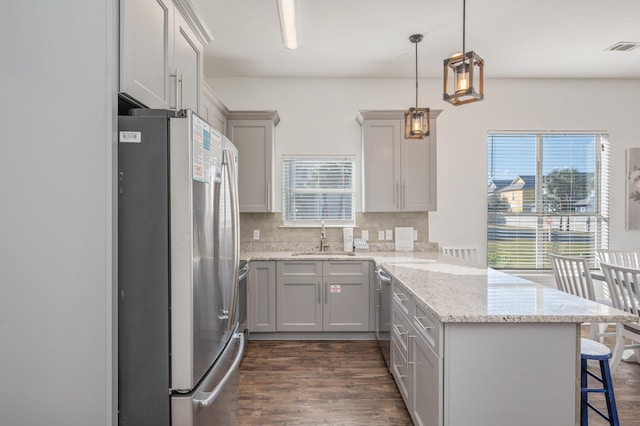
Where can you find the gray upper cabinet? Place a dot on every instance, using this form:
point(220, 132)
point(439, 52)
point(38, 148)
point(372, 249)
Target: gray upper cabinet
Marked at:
point(253, 133)
point(213, 110)
point(161, 48)
point(399, 174)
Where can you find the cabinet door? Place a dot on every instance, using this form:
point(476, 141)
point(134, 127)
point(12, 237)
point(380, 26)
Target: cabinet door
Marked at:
point(346, 304)
point(419, 173)
point(187, 65)
point(426, 384)
point(381, 156)
point(261, 296)
point(146, 46)
point(299, 304)
point(211, 109)
point(254, 140)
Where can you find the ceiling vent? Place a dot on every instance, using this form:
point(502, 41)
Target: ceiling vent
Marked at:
point(623, 46)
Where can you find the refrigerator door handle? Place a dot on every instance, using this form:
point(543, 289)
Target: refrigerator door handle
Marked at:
point(232, 173)
point(210, 397)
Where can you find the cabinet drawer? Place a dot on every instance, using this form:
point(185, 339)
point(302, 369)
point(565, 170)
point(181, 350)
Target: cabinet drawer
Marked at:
point(428, 328)
point(299, 268)
point(400, 330)
point(402, 300)
point(345, 268)
point(400, 370)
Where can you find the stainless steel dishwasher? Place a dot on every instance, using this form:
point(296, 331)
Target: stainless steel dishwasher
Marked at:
point(383, 313)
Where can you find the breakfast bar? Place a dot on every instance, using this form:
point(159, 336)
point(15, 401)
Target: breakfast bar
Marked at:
point(504, 350)
point(472, 345)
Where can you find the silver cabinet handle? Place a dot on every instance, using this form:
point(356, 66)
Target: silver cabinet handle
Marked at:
point(401, 297)
point(418, 321)
point(396, 367)
point(326, 291)
point(395, 327)
point(404, 195)
point(268, 197)
point(178, 78)
point(211, 396)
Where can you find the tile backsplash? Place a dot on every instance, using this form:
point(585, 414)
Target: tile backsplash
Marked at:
point(275, 237)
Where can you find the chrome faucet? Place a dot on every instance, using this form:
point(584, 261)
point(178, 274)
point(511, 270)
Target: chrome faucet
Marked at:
point(323, 239)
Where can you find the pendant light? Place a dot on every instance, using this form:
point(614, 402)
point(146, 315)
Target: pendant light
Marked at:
point(463, 74)
point(416, 120)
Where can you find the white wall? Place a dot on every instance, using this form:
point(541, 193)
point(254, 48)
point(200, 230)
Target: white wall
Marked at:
point(318, 117)
point(56, 172)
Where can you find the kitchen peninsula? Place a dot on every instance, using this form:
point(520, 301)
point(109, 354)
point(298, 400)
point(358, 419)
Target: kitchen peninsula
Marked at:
point(471, 345)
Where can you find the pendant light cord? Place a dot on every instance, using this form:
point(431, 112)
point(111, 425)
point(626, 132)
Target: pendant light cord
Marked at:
point(464, 14)
point(416, 75)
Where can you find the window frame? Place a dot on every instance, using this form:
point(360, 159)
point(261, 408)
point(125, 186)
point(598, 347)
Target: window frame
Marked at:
point(601, 193)
point(319, 221)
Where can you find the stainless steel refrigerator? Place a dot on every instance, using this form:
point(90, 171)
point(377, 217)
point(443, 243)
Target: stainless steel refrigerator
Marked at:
point(178, 247)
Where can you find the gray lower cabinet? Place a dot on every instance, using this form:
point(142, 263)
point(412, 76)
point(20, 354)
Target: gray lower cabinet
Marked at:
point(323, 296)
point(481, 373)
point(416, 364)
point(261, 296)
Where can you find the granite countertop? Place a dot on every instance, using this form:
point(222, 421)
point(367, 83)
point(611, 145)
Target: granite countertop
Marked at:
point(455, 291)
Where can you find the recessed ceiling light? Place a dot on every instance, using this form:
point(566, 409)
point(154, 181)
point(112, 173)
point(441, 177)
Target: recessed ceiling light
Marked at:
point(623, 46)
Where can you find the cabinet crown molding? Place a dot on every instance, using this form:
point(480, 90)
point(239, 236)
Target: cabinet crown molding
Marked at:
point(255, 115)
point(389, 114)
point(193, 17)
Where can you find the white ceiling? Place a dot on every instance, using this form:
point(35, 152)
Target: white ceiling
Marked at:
point(370, 38)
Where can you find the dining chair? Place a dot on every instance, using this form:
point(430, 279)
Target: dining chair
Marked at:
point(573, 276)
point(624, 283)
point(470, 254)
point(628, 258)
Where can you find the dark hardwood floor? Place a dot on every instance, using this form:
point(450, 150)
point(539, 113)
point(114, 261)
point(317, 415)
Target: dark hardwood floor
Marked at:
point(347, 383)
point(318, 383)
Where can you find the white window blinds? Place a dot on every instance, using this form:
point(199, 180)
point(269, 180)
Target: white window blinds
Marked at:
point(318, 189)
point(547, 193)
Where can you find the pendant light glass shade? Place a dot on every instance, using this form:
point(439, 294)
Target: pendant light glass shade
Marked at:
point(416, 123)
point(416, 120)
point(463, 79)
point(463, 74)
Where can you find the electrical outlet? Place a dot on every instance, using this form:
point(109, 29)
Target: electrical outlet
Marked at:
point(389, 234)
point(380, 235)
point(364, 235)
point(256, 234)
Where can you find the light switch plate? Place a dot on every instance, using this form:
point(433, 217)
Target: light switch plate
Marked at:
point(364, 235)
point(256, 234)
point(415, 235)
point(389, 234)
point(380, 235)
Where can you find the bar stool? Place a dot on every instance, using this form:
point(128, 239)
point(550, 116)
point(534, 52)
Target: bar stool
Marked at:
point(592, 350)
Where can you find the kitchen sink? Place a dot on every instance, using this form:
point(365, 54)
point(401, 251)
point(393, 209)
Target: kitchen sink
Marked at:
point(324, 253)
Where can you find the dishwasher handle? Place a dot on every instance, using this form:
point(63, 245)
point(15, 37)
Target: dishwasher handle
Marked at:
point(384, 277)
point(242, 274)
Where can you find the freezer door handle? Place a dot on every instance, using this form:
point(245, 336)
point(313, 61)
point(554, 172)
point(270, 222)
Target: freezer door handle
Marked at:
point(207, 398)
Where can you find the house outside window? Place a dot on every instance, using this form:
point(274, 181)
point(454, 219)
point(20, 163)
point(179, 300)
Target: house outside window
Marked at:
point(316, 190)
point(547, 193)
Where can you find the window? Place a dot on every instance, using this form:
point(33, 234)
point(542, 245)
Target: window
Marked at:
point(318, 189)
point(547, 193)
